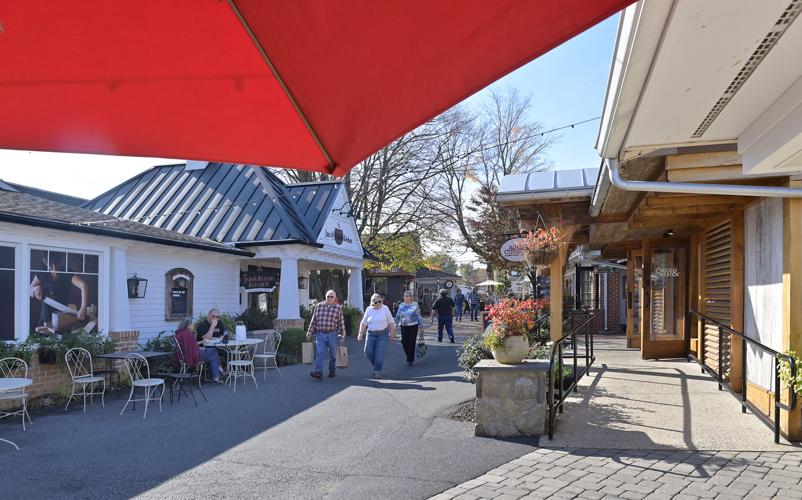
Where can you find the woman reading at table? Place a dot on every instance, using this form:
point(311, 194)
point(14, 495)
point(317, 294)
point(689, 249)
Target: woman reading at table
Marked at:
point(193, 354)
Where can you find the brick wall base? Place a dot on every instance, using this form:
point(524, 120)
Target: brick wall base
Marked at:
point(283, 325)
point(52, 378)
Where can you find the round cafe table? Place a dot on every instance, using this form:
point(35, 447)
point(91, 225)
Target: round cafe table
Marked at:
point(218, 342)
point(13, 384)
point(233, 355)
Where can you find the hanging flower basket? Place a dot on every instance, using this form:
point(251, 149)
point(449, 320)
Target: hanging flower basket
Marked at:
point(543, 246)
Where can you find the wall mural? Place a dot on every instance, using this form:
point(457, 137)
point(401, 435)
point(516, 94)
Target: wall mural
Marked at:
point(64, 291)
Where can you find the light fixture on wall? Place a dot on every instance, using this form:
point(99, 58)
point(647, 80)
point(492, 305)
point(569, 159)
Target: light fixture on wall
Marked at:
point(302, 281)
point(669, 233)
point(137, 287)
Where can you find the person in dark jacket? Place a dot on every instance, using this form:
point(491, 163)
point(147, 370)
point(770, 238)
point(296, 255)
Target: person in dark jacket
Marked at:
point(459, 303)
point(444, 308)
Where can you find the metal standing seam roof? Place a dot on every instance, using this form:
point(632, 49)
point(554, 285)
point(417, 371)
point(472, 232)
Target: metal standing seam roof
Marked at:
point(553, 181)
point(223, 202)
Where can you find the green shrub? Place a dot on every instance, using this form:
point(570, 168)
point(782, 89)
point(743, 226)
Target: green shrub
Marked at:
point(353, 317)
point(306, 314)
point(539, 351)
point(289, 352)
point(161, 343)
point(22, 350)
point(795, 383)
point(472, 351)
point(255, 319)
point(93, 342)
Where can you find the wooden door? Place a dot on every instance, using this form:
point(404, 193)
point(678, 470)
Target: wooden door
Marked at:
point(717, 294)
point(664, 300)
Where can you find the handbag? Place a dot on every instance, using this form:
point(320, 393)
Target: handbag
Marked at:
point(342, 357)
point(421, 348)
point(307, 352)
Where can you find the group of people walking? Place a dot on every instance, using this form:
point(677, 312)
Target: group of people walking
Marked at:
point(378, 327)
point(467, 303)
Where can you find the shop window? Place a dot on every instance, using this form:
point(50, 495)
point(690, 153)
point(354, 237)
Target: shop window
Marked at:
point(64, 290)
point(7, 303)
point(179, 283)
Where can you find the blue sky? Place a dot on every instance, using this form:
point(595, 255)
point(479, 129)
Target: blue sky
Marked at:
point(567, 85)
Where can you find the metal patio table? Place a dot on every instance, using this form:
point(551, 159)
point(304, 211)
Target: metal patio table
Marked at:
point(13, 384)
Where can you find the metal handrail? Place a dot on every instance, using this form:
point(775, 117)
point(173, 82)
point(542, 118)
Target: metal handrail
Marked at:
point(557, 350)
point(722, 383)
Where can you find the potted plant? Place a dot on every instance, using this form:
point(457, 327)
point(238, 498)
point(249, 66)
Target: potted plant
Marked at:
point(47, 350)
point(506, 336)
point(543, 246)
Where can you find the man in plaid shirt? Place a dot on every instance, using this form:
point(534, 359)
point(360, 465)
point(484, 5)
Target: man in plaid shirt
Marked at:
point(327, 325)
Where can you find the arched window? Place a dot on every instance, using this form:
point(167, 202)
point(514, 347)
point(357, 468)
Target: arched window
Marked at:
point(179, 283)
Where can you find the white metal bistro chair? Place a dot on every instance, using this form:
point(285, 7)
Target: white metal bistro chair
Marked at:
point(269, 352)
point(84, 381)
point(139, 372)
point(15, 368)
point(240, 363)
point(188, 372)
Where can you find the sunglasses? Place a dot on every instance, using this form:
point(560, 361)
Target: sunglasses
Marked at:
point(330, 297)
point(215, 316)
point(377, 301)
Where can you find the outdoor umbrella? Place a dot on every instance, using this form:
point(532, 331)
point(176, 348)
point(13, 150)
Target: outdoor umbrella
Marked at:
point(314, 85)
point(489, 283)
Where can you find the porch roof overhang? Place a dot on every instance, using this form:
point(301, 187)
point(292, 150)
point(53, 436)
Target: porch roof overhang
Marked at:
point(707, 73)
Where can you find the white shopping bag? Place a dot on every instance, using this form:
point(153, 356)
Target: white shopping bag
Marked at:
point(239, 331)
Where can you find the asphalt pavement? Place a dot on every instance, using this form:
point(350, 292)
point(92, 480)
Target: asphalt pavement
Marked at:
point(293, 437)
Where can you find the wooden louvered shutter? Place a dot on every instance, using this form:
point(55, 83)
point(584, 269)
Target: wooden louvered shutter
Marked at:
point(717, 293)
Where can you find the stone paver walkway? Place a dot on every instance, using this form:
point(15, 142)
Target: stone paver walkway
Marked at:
point(633, 474)
point(643, 429)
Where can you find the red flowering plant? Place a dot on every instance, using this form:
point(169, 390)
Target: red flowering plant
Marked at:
point(543, 245)
point(511, 318)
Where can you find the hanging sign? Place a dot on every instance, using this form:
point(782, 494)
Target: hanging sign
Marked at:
point(513, 249)
point(259, 277)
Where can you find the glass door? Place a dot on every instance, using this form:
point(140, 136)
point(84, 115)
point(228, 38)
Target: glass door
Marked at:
point(665, 300)
point(634, 290)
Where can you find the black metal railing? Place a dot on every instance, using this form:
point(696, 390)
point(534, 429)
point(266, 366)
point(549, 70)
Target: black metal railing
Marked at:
point(555, 378)
point(726, 382)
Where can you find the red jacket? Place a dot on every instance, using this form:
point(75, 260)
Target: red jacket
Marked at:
point(189, 346)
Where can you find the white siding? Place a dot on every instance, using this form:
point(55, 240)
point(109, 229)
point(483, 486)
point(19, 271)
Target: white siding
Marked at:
point(763, 264)
point(216, 284)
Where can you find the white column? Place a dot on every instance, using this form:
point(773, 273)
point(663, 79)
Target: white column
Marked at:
point(355, 287)
point(119, 309)
point(288, 304)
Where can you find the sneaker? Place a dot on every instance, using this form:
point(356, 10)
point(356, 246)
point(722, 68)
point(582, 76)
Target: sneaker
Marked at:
point(216, 381)
point(316, 375)
point(377, 375)
point(439, 340)
point(331, 374)
point(452, 340)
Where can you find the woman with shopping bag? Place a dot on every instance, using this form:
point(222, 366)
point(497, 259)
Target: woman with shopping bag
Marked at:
point(380, 328)
point(409, 319)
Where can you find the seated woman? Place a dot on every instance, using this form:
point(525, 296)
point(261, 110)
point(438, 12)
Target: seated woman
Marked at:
point(193, 354)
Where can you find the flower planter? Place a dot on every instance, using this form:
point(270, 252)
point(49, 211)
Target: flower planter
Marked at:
point(514, 351)
point(541, 257)
point(47, 356)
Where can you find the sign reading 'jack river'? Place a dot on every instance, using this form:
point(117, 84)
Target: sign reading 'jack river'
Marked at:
point(513, 249)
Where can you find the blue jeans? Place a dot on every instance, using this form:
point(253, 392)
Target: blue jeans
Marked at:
point(458, 311)
point(375, 345)
point(448, 323)
point(325, 340)
point(210, 357)
point(474, 312)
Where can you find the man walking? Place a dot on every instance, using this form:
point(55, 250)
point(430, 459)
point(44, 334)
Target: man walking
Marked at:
point(473, 300)
point(445, 319)
point(327, 325)
point(459, 304)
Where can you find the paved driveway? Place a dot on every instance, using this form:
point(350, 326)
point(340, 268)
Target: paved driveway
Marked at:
point(295, 437)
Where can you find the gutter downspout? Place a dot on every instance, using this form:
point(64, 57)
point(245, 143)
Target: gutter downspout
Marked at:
point(692, 187)
point(606, 325)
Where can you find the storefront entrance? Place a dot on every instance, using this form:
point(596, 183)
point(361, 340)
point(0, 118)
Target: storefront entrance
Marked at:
point(657, 299)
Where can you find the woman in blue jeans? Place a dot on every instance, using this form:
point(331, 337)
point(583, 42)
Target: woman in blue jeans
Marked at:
point(380, 327)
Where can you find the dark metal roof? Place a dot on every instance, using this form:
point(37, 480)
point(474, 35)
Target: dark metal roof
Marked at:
point(41, 193)
point(31, 210)
point(224, 202)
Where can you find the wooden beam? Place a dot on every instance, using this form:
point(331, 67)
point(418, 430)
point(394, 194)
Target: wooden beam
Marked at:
point(685, 200)
point(685, 210)
point(703, 160)
point(792, 297)
point(736, 297)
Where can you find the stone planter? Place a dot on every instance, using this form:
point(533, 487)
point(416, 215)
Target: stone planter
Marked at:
point(514, 351)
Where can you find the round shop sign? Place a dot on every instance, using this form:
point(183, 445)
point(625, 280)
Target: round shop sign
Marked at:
point(513, 249)
point(449, 284)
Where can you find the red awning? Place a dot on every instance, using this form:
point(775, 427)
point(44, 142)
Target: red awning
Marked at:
point(316, 85)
